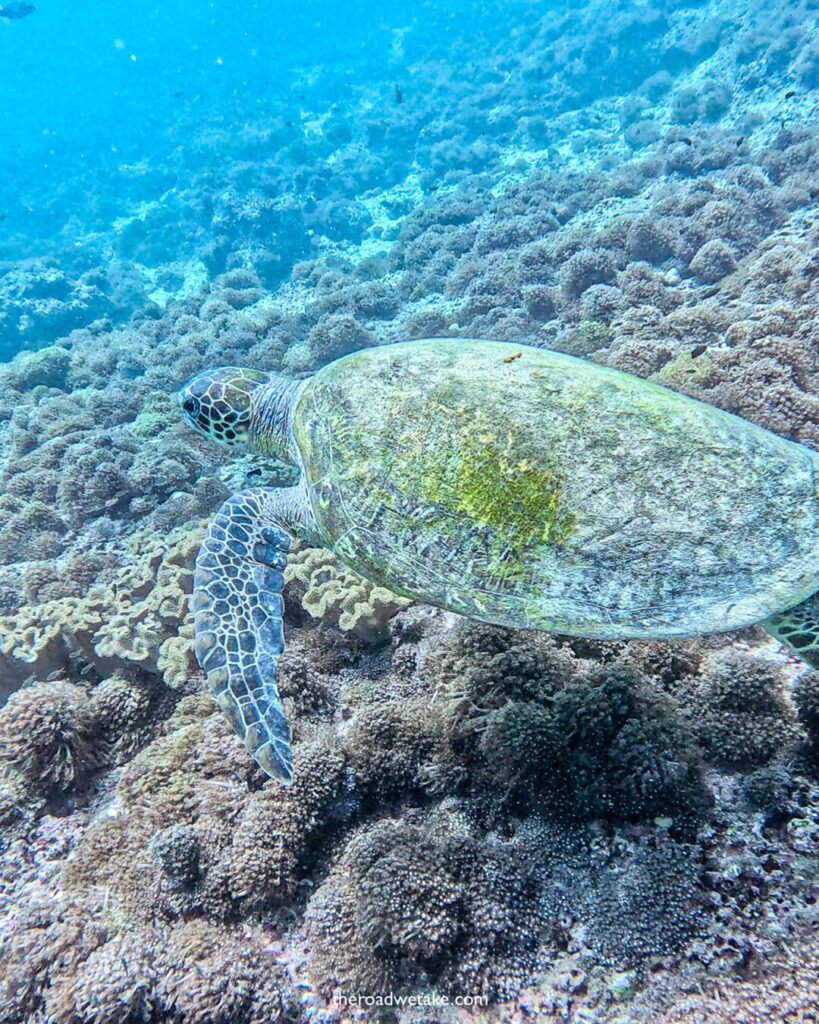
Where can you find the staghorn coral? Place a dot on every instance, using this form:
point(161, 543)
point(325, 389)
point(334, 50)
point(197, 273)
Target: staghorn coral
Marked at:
point(328, 590)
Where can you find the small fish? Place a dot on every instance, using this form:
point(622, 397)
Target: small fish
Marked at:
point(687, 141)
point(698, 350)
point(513, 357)
point(17, 9)
point(789, 95)
point(399, 96)
point(740, 140)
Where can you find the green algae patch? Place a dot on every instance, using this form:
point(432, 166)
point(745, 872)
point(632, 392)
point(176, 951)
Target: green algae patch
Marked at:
point(159, 411)
point(475, 474)
point(513, 495)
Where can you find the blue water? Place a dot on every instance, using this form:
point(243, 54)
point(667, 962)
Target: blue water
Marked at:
point(108, 107)
point(88, 88)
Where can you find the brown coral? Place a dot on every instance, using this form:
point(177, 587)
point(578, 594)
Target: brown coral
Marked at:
point(46, 734)
point(742, 718)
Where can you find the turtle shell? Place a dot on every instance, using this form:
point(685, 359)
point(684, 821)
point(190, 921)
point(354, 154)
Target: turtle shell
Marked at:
point(530, 488)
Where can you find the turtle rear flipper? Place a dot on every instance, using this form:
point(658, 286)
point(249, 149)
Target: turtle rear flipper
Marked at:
point(237, 606)
point(798, 628)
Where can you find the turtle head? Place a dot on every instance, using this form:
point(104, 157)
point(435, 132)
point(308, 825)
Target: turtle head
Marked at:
point(238, 406)
point(218, 403)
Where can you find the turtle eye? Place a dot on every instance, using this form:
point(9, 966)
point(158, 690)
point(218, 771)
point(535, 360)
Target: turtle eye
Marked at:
point(190, 405)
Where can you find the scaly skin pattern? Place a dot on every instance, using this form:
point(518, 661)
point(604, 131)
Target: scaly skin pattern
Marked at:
point(525, 487)
point(237, 608)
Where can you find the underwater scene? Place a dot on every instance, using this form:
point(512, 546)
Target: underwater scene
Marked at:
point(409, 535)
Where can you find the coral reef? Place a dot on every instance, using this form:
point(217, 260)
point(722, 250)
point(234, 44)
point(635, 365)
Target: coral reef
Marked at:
point(598, 831)
point(328, 590)
point(141, 617)
point(547, 804)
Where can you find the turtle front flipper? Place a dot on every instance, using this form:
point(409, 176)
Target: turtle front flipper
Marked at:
point(237, 605)
point(798, 628)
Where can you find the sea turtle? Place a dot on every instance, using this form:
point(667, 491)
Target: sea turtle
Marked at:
point(506, 483)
